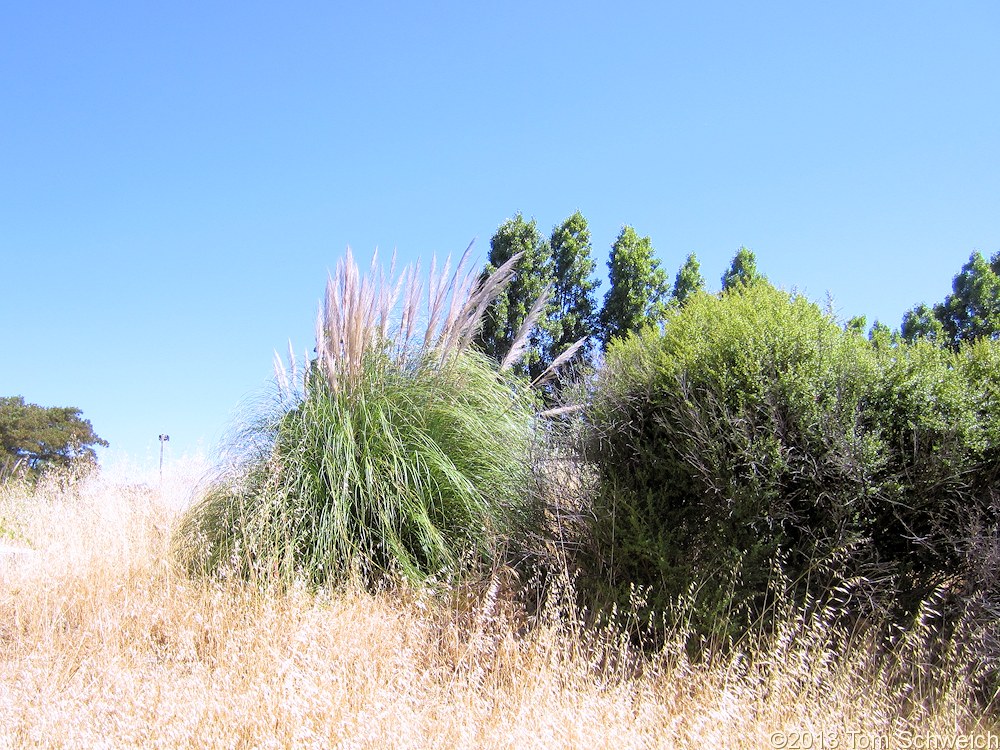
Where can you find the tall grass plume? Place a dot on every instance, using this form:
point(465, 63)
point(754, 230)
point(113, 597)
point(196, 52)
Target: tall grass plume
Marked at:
point(397, 451)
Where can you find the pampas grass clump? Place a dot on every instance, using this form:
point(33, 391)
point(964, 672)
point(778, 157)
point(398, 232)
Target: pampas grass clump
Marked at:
point(392, 455)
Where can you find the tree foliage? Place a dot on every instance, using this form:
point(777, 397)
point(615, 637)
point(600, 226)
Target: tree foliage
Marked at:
point(688, 280)
point(639, 288)
point(970, 312)
point(922, 323)
point(575, 314)
point(882, 336)
point(507, 313)
point(742, 270)
point(856, 325)
point(38, 437)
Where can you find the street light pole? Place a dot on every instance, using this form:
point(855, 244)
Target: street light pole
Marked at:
point(163, 439)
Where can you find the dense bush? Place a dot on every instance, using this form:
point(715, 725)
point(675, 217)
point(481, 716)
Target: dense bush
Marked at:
point(755, 446)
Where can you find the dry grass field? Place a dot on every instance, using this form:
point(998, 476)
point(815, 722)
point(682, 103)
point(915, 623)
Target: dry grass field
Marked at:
point(105, 644)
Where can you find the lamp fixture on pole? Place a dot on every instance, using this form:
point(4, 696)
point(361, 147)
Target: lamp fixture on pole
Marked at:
point(163, 439)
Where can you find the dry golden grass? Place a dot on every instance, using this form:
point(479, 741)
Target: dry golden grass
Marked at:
point(104, 644)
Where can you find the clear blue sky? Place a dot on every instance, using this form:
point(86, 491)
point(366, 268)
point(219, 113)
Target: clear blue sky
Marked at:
point(176, 178)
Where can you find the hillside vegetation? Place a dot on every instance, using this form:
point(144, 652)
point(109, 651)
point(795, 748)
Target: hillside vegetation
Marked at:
point(107, 643)
point(753, 446)
point(745, 524)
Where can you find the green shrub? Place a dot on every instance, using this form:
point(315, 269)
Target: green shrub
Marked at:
point(392, 456)
point(754, 445)
point(411, 472)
